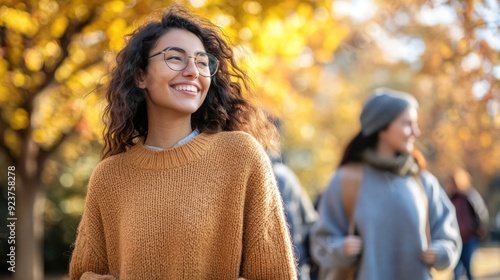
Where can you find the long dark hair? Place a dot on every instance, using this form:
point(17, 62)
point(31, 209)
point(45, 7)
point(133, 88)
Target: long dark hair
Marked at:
point(353, 153)
point(355, 148)
point(224, 108)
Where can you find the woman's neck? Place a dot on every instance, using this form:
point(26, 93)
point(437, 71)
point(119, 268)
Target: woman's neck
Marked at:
point(166, 133)
point(383, 151)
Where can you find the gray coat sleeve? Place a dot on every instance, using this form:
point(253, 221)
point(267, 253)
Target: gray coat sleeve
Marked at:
point(328, 233)
point(299, 211)
point(445, 235)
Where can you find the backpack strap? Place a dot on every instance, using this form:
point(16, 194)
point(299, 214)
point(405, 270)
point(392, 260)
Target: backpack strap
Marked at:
point(426, 204)
point(350, 184)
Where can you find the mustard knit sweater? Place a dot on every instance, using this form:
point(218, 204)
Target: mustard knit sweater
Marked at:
point(208, 209)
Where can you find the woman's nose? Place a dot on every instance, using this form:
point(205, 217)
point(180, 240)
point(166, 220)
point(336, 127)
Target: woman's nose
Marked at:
point(415, 130)
point(191, 70)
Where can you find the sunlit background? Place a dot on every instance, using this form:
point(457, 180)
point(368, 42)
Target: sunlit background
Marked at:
point(313, 63)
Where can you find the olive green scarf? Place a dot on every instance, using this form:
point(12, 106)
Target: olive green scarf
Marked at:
point(402, 165)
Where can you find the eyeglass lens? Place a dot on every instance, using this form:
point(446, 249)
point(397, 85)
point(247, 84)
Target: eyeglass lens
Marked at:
point(177, 59)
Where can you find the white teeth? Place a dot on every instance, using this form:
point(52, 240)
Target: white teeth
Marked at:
point(186, 88)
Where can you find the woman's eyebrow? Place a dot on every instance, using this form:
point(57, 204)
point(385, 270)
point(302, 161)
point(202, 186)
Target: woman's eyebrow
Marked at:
point(176, 49)
point(181, 49)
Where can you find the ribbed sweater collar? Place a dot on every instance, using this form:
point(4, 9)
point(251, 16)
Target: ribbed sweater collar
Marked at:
point(145, 158)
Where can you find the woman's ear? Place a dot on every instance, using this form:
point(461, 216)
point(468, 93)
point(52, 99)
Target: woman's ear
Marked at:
point(140, 79)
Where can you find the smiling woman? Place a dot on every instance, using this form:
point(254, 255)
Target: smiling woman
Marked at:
point(175, 92)
point(185, 190)
point(224, 107)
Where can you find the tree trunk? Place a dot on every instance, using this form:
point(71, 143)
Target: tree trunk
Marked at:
point(31, 204)
point(29, 230)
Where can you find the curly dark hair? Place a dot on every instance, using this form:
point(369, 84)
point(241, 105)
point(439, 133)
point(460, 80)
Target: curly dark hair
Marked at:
point(224, 109)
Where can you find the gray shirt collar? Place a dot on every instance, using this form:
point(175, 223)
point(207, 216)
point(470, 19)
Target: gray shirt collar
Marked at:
point(184, 140)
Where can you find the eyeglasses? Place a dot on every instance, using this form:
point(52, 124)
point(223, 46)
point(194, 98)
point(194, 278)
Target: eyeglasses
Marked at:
point(177, 60)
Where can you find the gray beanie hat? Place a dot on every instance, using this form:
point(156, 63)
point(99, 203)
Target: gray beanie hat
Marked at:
point(382, 108)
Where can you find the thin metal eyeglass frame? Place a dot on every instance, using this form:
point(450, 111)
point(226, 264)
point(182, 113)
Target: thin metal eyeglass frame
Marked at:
point(194, 57)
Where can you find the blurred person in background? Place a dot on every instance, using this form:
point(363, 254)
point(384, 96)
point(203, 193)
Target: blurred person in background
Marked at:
point(403, 222)
point(497, 224)
point(299, 210)
point(299, 213)
point(472, 216)
point(185, 189)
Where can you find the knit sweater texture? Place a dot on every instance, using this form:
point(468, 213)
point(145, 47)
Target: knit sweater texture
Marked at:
point(390, 218)
point(208, 209)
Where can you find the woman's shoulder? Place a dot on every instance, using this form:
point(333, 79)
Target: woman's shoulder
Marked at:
point(428, 179)
point(351, 171)
point(102, 177)
point(239, 140)
point(106, 167)
point(237, 136)
point(242, 146)
point(432, 186)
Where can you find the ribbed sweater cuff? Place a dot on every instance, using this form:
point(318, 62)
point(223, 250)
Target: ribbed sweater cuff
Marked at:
point(95, 276)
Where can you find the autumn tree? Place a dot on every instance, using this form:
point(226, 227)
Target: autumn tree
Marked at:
point(52, 58)
point(443, 52)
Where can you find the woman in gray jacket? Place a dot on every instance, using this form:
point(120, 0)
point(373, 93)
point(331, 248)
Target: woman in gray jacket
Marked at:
point(404, 222)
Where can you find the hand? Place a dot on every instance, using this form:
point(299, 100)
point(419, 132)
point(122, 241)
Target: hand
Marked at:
point(353, 245)
point(429, 256)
